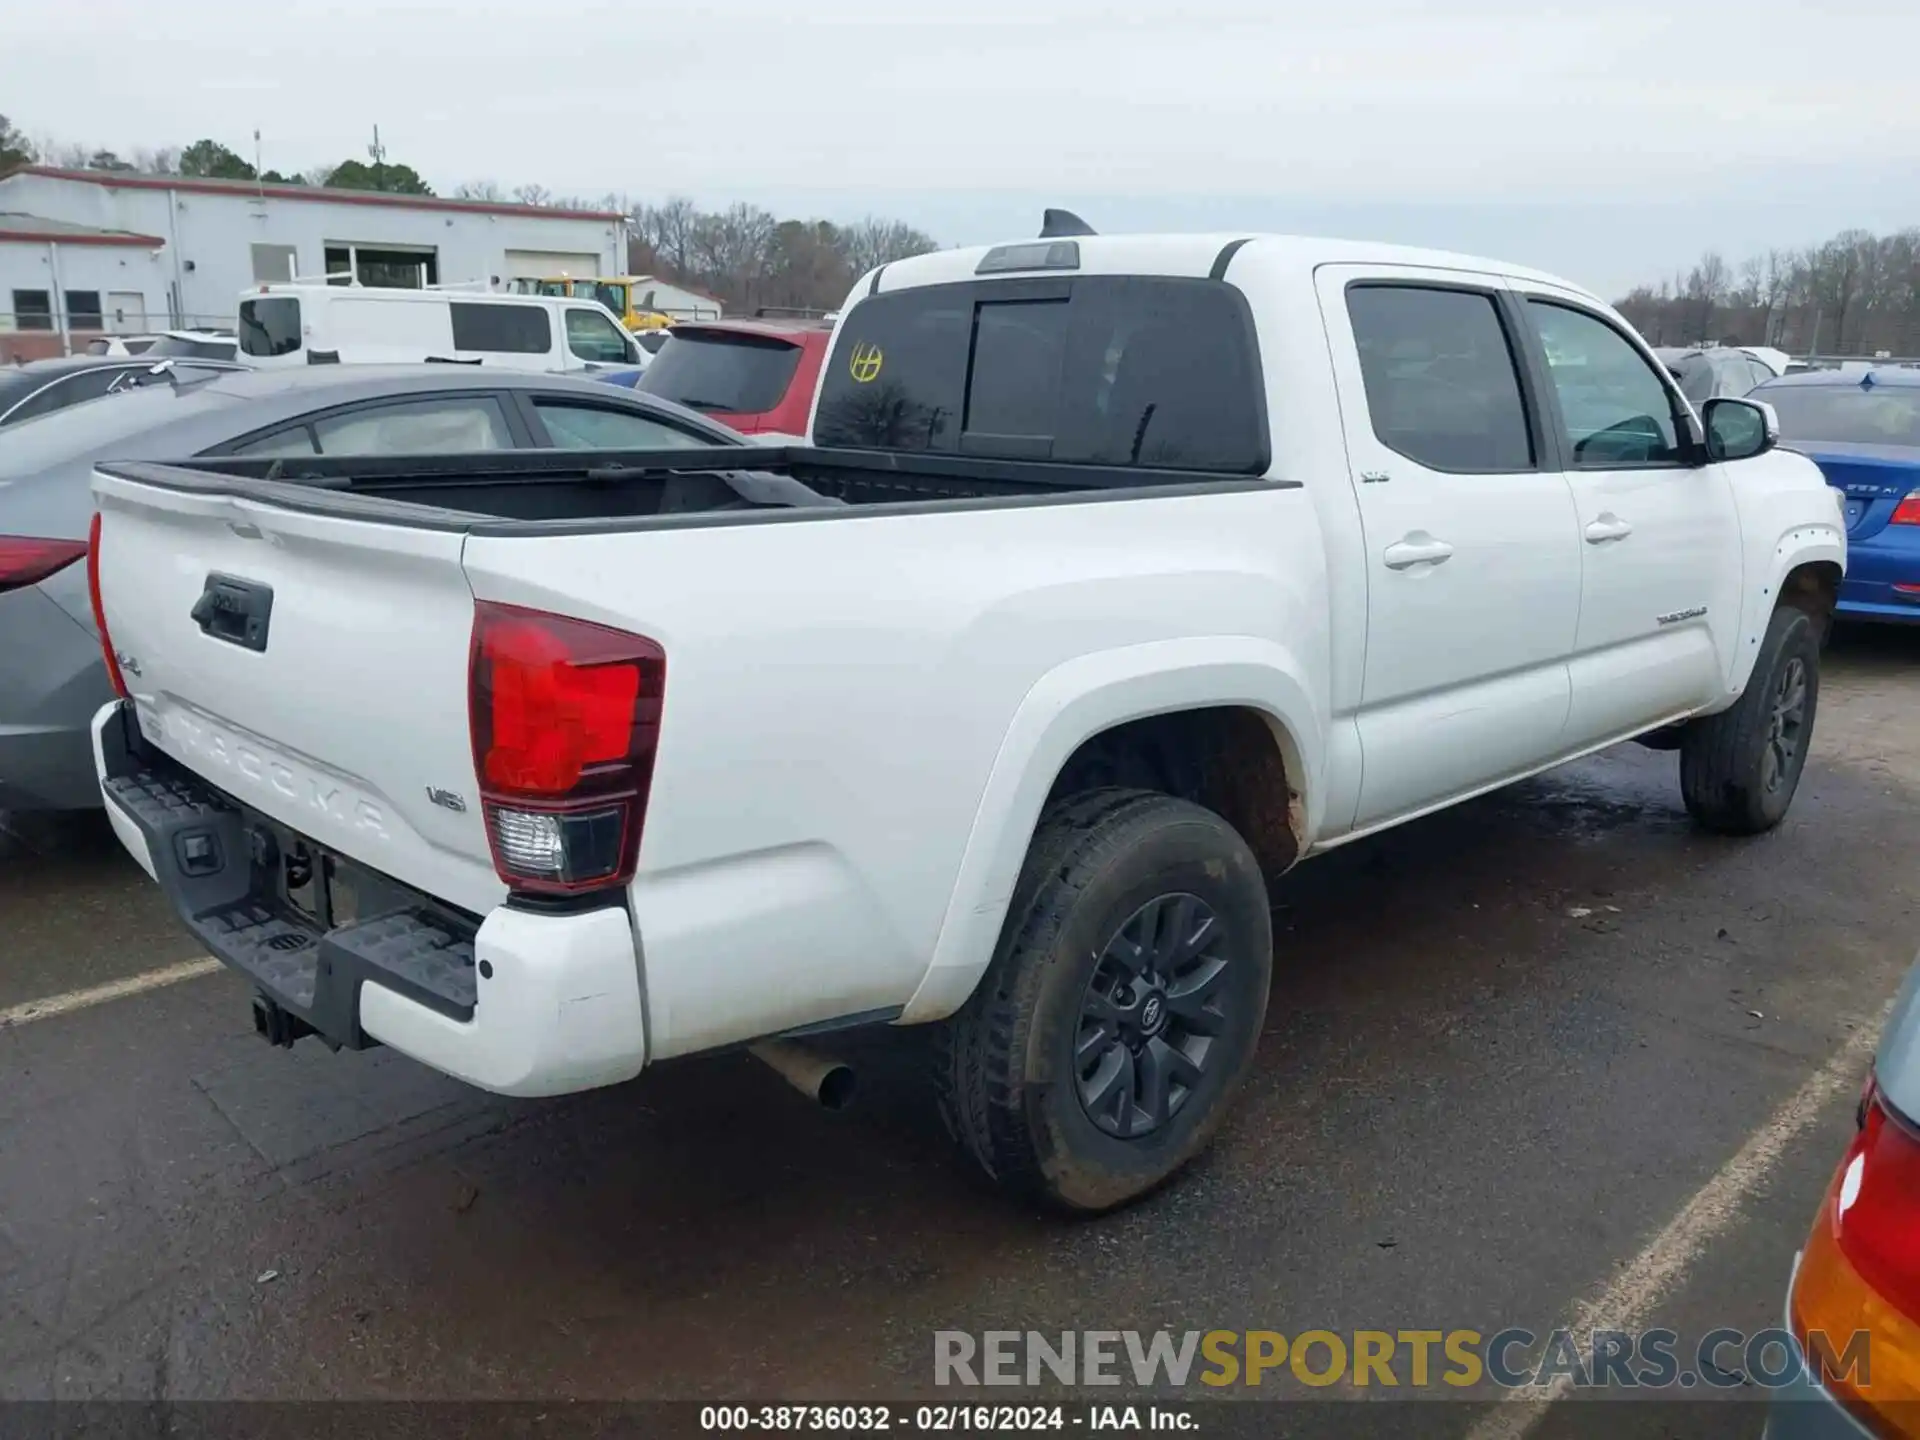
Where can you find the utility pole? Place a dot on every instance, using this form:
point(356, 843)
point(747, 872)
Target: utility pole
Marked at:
point(378, 153)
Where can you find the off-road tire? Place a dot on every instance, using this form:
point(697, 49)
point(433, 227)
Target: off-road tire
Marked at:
point(1729, 761)
point(1010, 1088)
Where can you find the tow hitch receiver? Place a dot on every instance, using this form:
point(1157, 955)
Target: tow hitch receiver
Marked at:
point(274, 1025)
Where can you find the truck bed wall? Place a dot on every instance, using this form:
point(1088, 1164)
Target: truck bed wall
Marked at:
point(863, 717)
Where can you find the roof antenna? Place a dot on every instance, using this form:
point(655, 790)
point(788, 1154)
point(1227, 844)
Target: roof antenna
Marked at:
point(1056, 223)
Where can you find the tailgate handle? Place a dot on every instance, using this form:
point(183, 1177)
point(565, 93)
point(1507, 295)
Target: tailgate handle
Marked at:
point(234, 610)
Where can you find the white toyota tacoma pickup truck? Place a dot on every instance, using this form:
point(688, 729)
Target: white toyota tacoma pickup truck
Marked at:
point(1121, 574)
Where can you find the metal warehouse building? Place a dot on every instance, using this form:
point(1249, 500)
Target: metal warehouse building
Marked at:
point(88, 251)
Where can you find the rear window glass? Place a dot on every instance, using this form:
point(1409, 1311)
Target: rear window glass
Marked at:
point(721, 372)
point(180, 347)
point(1696, 378)
point(84, 430)
point(506, 329)
point(1848, 414)
point(270, 326)
point(1101, 369)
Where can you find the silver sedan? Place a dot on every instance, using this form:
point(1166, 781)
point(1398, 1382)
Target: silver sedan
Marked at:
point(51, 675)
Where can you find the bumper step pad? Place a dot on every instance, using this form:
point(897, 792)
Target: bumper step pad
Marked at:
point(202, 845)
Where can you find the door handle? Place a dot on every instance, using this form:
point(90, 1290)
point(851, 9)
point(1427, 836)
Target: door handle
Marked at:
point(1418, 548)
point(1609, 526)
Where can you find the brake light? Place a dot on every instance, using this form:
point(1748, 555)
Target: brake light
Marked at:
point(1907, 512)
point(99, 610)
point(1860, 1271)
point(565, 716)
point(25, 561)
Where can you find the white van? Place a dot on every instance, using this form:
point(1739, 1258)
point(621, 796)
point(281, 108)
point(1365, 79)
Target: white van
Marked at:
point(315, 323)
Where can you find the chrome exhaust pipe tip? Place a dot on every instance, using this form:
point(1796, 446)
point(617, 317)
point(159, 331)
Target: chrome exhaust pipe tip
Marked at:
point(826, 1081)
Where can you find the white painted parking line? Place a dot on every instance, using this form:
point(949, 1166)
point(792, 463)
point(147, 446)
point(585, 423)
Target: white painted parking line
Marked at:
point(74, 1000)
point(1627, 1303)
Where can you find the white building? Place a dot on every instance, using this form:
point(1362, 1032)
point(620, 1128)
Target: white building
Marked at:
point(104, 250)
point(650, 292)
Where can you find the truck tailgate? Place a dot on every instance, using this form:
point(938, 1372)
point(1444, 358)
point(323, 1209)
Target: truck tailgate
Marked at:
point(314, 666)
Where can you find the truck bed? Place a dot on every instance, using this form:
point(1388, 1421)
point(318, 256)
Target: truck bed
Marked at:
point(839, 697)
point(547, 491)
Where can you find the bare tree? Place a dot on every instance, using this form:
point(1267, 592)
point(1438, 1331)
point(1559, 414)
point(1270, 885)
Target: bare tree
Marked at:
point(1705, 287)
point(1775, 289)
point(532, 195)
point(1837, 276)
point(15, 147)
point(162, 161)
point(63, 154)
point(873, 243)
point(487, 190)
point(668, 230)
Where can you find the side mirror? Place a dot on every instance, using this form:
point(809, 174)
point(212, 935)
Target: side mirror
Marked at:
point(1739, 429)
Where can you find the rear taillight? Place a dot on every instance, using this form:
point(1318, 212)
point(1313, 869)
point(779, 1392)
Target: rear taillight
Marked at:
point(1860, 1272)
point(99, 610)
point(25, 562)
point(1907, 512)
point(565, 716)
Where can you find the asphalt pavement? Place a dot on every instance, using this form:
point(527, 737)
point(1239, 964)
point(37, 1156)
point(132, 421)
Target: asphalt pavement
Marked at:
point(1508, 1045)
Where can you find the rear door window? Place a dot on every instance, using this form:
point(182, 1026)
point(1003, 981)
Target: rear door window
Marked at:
point(1147, 371)
point(444, 426)
point(723, 372)
point(1443, 388)
point(283, 443)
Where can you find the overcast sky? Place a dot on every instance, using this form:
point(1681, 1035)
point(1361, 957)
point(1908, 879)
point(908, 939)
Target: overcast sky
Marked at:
point(1610, 141)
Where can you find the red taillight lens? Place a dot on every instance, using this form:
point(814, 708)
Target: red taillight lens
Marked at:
point(25, 562)
point(1877, 1210)
point(1860, 1272)
point(1907, 512)
point(99, 611)
point(565, 717)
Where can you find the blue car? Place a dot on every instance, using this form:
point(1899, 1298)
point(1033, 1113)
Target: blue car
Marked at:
point(627, 376)
point(1863, 430)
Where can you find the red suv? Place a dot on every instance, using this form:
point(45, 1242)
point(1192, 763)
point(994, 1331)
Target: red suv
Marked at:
point(757, 376)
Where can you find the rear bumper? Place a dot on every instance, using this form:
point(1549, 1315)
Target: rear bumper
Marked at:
point(51, 682)
point(1874, 567)
point(518, 1002)
point(1804, 1409)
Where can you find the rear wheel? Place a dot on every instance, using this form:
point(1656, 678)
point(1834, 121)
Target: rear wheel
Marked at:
point(1739, 769)
point(1122, 1007)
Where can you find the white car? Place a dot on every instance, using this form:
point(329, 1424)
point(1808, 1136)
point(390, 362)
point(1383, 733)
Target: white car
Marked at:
point(1127, 573)
point(170, 344)
point(312, 322)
